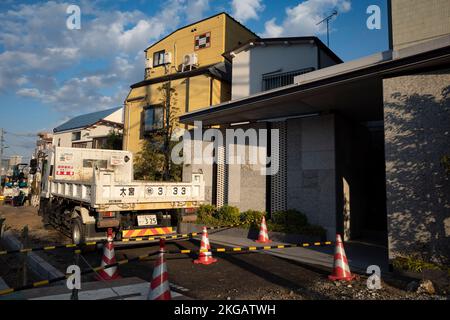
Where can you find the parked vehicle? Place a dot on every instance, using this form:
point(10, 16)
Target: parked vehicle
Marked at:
point(86, 191)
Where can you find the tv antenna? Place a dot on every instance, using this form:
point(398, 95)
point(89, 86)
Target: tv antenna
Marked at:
point(327, 20)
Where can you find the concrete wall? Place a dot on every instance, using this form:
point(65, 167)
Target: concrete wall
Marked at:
point(246, 185)
point(206, 169)
point(250, 65)
point(415, 21)
point(116, 116)
point(325, 59)
point(311, 174)
point(417, 131)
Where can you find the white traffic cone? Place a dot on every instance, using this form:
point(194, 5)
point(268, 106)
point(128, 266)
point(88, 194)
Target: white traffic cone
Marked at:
point(159, 287)
point(109, 257)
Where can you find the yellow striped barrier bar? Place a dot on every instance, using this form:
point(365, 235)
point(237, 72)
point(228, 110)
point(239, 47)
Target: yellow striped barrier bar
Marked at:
point(143, 257)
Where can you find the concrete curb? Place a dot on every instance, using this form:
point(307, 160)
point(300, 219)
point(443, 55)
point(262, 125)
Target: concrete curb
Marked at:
point(38, 265)
point(251, 234)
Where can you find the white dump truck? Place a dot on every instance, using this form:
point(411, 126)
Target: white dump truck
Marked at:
point(84, 192)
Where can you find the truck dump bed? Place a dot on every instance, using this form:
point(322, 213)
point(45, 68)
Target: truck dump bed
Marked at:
point(104, 180)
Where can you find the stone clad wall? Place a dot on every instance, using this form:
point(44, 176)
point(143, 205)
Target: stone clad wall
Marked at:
point(417, 135)
point(311, 170)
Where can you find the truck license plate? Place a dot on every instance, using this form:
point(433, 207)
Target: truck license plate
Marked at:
point(147, 220)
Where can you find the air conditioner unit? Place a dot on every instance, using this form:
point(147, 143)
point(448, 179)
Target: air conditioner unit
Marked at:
point(149, 63)
point(190, 60)
point(168, 57)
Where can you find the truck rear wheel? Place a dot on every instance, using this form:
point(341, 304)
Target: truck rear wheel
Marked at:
point(78, 231)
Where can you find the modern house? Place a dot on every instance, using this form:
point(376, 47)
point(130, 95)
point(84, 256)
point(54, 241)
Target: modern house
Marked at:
point(89, 130)
point(360, 143)
point(190, 62)
point(265, 64)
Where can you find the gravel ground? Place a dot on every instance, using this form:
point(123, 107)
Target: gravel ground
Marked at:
point(11, 270)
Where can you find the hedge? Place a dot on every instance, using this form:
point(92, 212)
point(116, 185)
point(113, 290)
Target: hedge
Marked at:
point(289, 221)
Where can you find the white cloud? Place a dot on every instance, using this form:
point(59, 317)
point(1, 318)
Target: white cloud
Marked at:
point(244, 10)
point(43, 60)
point(272, 29)
point(195, 10)
point(301, 20)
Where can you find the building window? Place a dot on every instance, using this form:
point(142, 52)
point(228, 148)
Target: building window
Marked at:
point(153, 118)
point(277, 80)
point(76, 136)
point(89, 163)
point(203, 41)
point(158, 58)
point(82, 145)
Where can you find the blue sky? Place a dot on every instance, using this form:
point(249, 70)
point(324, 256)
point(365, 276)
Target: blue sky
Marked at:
point(49, 73)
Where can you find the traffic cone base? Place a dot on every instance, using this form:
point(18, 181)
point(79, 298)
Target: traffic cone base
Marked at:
point(205, 261)
point(102, 275)
point(334, 278)
point(341, 269)
point(205, 257)
point(263, 241)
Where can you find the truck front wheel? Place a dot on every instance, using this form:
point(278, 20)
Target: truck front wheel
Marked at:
point(78, 231)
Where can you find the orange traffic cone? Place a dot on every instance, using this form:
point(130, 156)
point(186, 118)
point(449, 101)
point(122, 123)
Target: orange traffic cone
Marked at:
point(205, 256)
point(109, 257)
point(341, 269)
point(159, 287)
point(263, 235)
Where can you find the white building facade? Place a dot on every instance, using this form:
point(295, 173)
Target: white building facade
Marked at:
point(89, 130)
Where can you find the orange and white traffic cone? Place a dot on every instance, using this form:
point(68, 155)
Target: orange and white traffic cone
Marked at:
point(263, 234)
point(341, 269)
point(159, 287)
point(205, 256)
point(109, 257)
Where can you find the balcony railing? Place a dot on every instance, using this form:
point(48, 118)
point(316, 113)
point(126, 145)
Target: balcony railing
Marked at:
point(272, 81)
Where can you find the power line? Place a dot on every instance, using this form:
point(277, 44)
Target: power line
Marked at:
point(22, 135)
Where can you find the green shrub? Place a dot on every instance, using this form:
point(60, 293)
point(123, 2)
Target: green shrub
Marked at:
point(290, 217)
point(289, 221)
point(227, 215)
point(294, 222)
point(414, 264)
point(251, 218)
point(205, 215)
point(205, 211)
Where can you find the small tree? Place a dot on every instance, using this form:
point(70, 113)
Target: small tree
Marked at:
point(154, 162)
point(114, 140)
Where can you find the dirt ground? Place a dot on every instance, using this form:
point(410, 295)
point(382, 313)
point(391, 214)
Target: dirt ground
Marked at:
point(245, 276)
point(19, 217)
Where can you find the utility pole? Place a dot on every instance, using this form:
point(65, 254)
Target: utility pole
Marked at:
point(327, 20)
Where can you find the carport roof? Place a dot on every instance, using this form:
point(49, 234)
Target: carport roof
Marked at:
point(353, 89)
